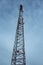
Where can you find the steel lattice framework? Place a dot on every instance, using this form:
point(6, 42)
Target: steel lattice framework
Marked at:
point(18, 56)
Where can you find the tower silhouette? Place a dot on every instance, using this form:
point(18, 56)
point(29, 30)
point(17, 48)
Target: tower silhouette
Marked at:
point(18, 55)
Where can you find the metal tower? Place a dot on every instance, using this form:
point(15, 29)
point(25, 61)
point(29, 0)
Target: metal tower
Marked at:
point(18, 56)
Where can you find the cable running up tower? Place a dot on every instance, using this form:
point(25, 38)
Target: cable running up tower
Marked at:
point(18, 55)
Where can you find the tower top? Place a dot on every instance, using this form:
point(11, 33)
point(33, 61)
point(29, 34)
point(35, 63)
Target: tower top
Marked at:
point(21, 7)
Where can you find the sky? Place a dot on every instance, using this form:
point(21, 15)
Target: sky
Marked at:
point(33, 30)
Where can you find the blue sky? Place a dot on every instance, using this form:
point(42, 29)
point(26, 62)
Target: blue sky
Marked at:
point(33, 30)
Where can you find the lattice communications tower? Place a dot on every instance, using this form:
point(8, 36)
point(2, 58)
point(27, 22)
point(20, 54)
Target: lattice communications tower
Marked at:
point(18, 55)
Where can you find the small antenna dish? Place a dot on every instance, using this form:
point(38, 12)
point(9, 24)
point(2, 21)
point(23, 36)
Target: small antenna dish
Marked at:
point(21, 7)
